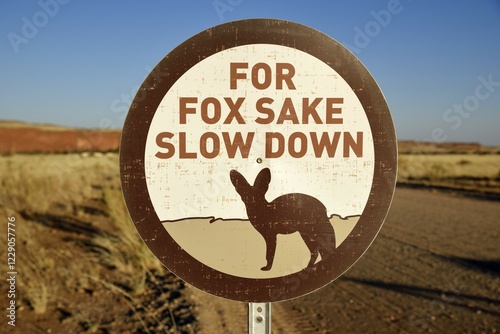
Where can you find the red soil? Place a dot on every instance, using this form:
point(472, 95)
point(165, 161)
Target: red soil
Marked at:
point(38, 139)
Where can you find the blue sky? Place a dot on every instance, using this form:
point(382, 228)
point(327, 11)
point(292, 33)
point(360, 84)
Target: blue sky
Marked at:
point(79, 63)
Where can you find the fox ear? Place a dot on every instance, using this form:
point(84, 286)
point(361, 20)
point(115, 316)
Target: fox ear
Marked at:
point(239, 182)
point(262, 180)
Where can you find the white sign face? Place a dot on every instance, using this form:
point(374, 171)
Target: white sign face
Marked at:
point(253, 163)
point(298, 118)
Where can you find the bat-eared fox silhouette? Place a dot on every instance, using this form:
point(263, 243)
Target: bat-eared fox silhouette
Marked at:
point(286, 214)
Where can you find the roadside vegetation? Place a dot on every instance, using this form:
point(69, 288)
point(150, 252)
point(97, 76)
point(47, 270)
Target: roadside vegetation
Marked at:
point(472, 172)
point(81, 265)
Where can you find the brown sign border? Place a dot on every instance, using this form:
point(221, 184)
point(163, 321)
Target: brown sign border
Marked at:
point(158, 83)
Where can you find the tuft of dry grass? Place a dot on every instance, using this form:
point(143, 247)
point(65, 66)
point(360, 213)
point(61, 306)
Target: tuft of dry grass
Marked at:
point(36, 265)
point(128, 253)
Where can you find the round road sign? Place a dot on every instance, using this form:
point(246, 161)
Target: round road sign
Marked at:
point(258, 160)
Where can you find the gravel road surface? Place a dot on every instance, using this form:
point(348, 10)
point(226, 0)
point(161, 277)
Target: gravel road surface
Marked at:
point(434, 268)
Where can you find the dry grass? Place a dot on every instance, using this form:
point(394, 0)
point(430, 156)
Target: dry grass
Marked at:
point(36, 263)
point(449, 166)
point(128, 253)
point(35, 183)
point(59, 187)
point(479, 172)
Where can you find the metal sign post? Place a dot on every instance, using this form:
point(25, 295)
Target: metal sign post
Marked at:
point(259, 318)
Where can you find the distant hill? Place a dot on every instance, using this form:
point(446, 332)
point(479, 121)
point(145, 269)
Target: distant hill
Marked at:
point(415, 147)
point(20, 137)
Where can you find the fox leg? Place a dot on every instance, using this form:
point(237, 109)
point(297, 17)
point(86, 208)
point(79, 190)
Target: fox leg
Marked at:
point(314, 257)
point(270, 251)
point(313, 246)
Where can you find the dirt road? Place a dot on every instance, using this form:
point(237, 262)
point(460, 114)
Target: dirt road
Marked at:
point(433, 268)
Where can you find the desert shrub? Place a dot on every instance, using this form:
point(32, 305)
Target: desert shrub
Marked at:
point(437, 171)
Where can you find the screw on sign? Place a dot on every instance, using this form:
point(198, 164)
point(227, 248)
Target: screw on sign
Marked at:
point(256, 154)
